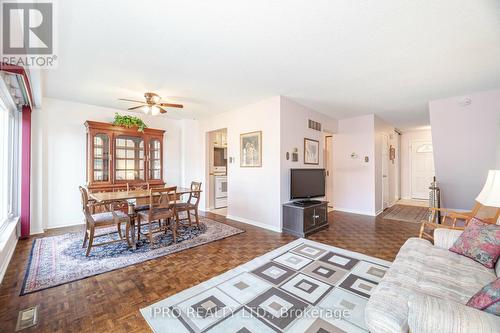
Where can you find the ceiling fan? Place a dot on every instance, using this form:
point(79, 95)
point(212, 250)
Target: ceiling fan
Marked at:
point(152, 104)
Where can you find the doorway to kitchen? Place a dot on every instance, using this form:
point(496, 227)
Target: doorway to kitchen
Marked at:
point(217, 166)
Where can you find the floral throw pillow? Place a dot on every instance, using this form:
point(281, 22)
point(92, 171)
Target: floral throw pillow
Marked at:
point(488, 298)
point(480, 241)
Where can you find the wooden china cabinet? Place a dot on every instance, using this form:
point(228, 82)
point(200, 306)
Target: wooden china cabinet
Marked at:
point(118, 155)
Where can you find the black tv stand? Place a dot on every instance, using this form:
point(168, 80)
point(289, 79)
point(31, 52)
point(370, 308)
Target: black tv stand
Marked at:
point(308, 202)
point(301, 220)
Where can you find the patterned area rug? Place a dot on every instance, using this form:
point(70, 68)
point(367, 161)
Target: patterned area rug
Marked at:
point(61, 259)
point(404, 213)
point(303, 286)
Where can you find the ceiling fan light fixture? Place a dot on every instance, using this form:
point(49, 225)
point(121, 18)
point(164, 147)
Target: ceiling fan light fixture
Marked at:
point(146, 109)
point(156, 99)
point(155, 110)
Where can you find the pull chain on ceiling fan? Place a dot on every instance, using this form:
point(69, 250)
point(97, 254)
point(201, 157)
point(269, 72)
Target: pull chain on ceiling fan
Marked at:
point(152, 104)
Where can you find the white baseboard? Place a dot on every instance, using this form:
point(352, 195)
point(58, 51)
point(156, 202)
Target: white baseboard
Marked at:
point(353, 211)
point(254, 223)
point(380, 211)
point(36, 232)
point(8, 242)
point(66, 225)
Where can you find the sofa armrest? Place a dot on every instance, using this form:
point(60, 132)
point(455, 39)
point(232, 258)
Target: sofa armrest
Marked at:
point(429, 314)
point(445, 238)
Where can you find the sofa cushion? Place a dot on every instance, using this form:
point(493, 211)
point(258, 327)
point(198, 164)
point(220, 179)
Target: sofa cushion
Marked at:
point(488, 298)
point(479, 241)
point(423, 268)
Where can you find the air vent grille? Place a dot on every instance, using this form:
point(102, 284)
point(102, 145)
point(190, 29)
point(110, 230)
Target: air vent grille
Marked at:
point(314, 125)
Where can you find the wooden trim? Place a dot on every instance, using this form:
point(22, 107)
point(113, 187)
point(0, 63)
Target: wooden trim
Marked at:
point(121, 129)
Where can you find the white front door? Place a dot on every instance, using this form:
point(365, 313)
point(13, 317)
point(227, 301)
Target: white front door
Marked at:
point(422, 169)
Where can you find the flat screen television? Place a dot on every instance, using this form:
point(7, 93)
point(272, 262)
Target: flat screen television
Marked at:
point(307, 183)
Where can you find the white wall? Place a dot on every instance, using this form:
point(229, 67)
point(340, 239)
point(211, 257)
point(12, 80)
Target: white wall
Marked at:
point(406, 139)
point(253, 193)
point(294, 128)
point(465, 139)
point(354, 179)
point(383, 128)
point(59, 165)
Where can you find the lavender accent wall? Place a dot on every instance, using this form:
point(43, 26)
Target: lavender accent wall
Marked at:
point(465, 138)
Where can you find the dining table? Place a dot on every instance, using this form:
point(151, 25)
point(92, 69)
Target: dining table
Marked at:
point(134, 195)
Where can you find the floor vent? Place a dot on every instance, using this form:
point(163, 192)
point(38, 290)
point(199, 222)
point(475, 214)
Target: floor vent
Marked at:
point(27, 318)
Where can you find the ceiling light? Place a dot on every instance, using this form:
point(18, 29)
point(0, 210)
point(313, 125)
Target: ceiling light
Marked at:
point(146, 109)
point(155, 110)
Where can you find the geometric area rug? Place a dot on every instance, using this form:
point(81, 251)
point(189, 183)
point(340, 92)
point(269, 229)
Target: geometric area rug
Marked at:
point(304, 286)
point(60, 259)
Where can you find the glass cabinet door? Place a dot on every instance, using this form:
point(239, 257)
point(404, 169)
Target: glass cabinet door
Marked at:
point(129, 158)
point(154, 159)
point(101, 157)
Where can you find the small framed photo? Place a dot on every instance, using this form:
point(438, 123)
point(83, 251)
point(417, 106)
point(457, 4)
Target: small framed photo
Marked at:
point(311, 151)
point(251, 150)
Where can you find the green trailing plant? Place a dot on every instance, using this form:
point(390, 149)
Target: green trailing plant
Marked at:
point(129, 121)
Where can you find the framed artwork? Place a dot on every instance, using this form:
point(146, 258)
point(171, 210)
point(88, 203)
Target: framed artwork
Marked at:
point(311, 151)
point(251, 150)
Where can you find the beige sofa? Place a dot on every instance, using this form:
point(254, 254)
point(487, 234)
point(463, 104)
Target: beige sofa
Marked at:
point(426, 289)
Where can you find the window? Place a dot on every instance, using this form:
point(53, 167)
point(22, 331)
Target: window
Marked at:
point(9, 163)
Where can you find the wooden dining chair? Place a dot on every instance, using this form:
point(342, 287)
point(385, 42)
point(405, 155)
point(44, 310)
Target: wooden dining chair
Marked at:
point(161, 208)
point(110, 214)
point(456, 220)
point(191, 205)
point(141, 204)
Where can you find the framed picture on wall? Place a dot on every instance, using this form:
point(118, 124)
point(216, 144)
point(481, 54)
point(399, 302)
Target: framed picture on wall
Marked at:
point(311, 151)
point(251, 150)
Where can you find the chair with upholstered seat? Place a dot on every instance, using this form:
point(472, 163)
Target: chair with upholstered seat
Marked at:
point(110, 214)
point(191, 205)
point(161, 208)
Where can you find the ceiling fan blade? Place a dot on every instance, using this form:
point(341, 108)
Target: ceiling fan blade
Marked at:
point(131, 100)
point(136, 107)
point(162, 110)
point(170, 105)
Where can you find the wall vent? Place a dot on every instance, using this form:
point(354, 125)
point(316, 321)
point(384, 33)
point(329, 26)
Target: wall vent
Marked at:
point(314, 125)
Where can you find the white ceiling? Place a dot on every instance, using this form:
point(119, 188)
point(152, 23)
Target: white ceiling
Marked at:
point(340, 57)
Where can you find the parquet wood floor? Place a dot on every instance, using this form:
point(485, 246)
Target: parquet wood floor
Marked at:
point(110, 302)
